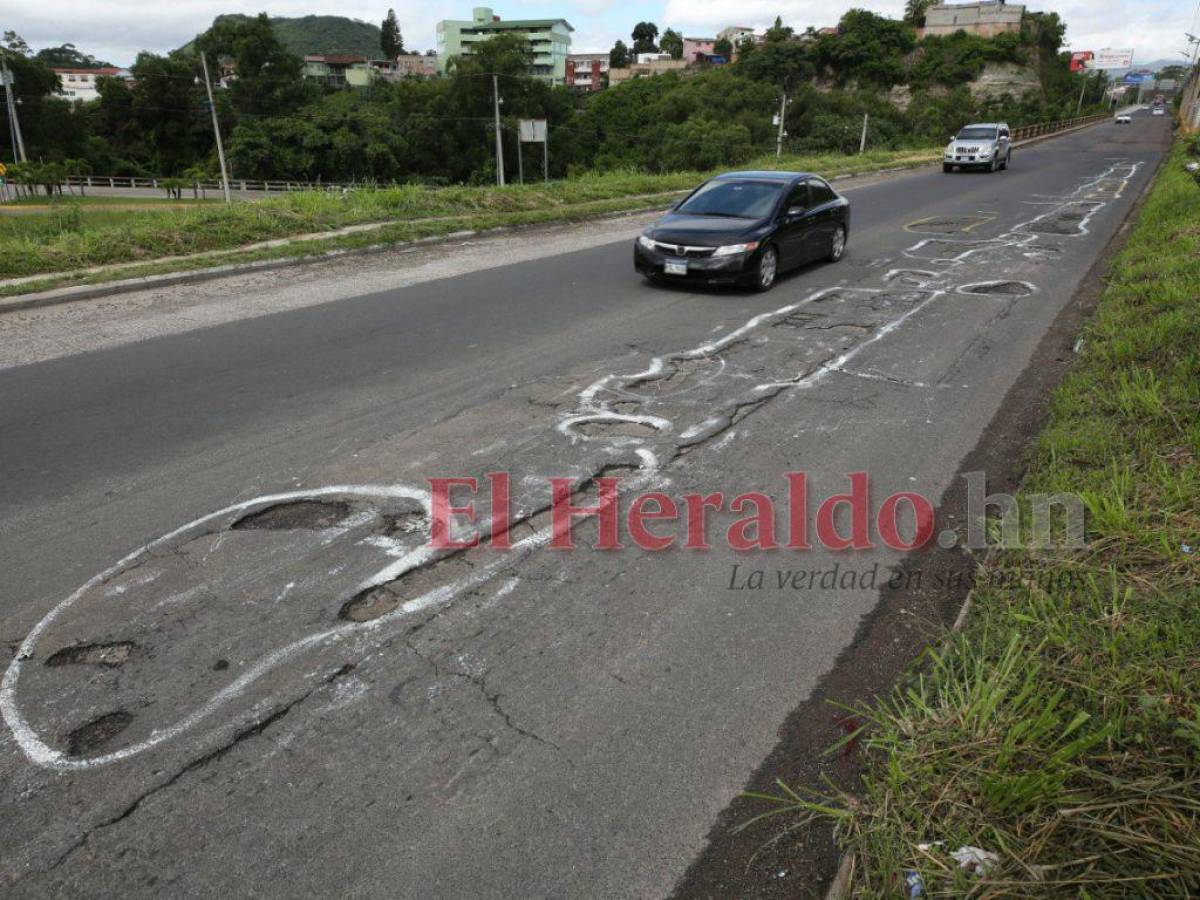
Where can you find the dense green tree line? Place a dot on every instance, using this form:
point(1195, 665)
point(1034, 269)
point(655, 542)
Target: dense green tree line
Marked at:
point(277, 125)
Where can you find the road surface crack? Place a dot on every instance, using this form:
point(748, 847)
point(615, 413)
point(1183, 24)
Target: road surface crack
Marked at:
point(213, 755)
point(492, 698)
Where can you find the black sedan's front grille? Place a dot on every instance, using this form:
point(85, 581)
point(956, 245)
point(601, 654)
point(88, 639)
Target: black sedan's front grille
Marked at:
point(684, 251)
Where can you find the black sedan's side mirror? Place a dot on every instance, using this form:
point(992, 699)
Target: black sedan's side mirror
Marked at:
point(794, 211)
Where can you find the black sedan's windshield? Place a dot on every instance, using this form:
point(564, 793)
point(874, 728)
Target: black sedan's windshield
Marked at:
point(977, 134)
point(743, 199)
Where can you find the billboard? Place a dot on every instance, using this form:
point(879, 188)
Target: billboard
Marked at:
point(532, 131)
point(1082, 60)
point(1109, 58)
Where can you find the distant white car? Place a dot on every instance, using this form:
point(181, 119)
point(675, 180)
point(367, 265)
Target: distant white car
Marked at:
point(1158, 111)
point(1124, 119)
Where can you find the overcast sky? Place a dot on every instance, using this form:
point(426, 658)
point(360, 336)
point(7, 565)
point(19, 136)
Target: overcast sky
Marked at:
point(117, 29)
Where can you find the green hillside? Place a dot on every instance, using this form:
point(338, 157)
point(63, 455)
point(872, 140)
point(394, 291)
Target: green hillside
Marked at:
point(321, 34)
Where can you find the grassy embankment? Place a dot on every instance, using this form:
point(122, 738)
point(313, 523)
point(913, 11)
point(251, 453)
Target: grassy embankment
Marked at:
point(72, 236)
point(1061, 729)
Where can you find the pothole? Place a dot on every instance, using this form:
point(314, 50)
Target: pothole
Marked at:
point(397, 524)
point(109, 655)
point(1068, 220)
point(369, 604)
point(909, 277)
point(946, 224)
point(615, 426)
point(375, 602)
point(796, 320)
point(95, 734)
point(943, 250)
point(625, 407)
point(313, 515)
point(853, 327)
point(679, 373)
point(1001, 288)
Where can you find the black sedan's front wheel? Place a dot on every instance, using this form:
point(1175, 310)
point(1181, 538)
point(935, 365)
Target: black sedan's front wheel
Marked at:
point(768, 268)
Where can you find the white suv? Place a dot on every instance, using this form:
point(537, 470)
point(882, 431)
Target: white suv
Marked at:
point(984, 145)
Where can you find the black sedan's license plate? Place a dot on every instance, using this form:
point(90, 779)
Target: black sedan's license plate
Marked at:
point(675, 267)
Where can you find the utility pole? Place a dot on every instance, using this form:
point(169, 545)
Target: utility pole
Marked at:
point(499, 143)
point(862, 143)
point(14, 124)
point(1082, 88)
point(779, 138)
point(212, 107)
point(520, 161)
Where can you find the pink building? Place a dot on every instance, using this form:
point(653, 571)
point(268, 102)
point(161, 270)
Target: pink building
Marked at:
point(693, 46)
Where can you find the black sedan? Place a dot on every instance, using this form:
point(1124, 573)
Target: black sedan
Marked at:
point(745, 228)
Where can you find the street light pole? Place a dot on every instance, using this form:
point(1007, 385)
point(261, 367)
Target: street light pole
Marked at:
point(779, 137)
point(212, 107)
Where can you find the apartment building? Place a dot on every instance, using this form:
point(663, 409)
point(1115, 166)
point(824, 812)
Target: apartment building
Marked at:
point(550, 38)
point(586, 71)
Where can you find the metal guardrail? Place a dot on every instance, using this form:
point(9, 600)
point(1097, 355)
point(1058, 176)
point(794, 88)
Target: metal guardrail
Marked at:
point(1028, 131)
point(283, 186)
point(207, 184)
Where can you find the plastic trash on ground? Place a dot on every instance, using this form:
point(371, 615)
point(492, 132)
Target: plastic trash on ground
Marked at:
point(975, 860)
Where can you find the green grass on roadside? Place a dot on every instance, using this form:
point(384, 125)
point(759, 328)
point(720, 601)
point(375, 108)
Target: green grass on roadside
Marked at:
point(66, 239)
point(1061, 730)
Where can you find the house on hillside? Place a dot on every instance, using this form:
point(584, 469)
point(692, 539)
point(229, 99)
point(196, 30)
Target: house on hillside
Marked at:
point(339, 69)
point(986, 18)
point(81, 84)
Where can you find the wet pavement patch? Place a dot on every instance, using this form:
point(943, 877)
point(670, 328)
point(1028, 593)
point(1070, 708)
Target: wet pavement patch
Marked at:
point(108, 655)
point(98, 732)
point(313, 515)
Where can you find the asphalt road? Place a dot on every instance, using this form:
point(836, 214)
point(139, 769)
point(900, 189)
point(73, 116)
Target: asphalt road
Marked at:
point(530, 723)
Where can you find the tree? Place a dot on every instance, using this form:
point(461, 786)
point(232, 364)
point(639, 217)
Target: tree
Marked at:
point(618, 56)
point(778, 32)
point(914, 12)
point(66, 56)
point(268, 78)
point(723, 47)
point(14, 43)
point(783, 63)
point(645, 36)
point(672, 43)
point(390, 40)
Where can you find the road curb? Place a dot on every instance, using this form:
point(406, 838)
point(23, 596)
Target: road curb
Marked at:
point(74, 293)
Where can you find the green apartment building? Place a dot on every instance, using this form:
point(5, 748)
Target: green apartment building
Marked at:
point(551, 40)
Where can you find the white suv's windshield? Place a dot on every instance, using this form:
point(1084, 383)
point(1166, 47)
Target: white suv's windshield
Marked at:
point(977, 134)
point(740, 199)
